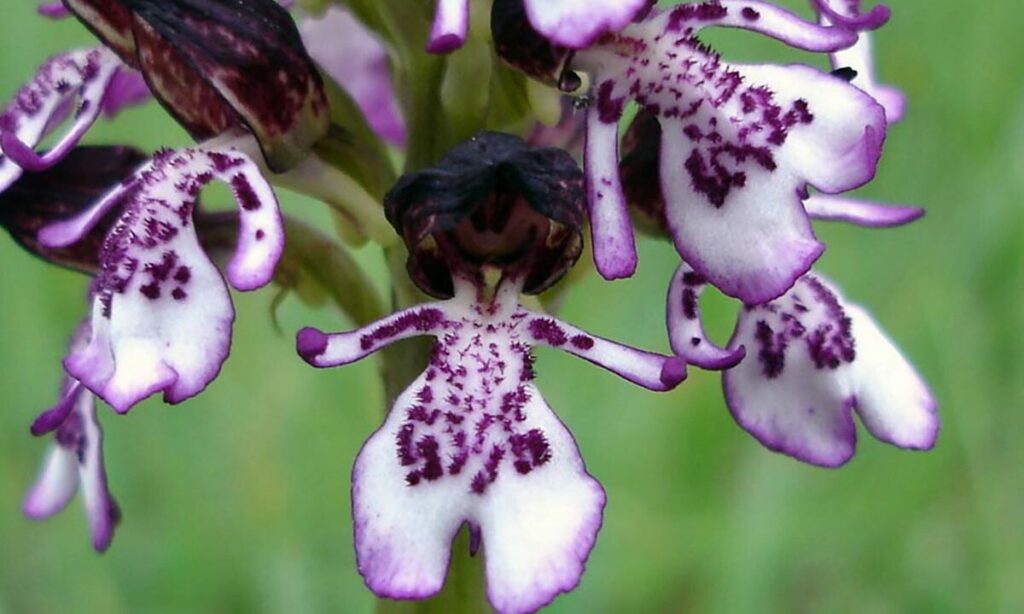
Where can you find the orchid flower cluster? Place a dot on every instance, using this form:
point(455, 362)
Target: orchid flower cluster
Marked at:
point(729, 162)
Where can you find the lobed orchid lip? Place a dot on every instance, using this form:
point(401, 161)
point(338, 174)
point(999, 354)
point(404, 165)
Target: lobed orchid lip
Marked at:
point(472, 441)
point(815, 361)
point(162, 316)
point(861, 212)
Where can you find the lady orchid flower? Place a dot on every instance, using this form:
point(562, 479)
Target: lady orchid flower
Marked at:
point(567, 23)
point(740, 144)
point(471, 441)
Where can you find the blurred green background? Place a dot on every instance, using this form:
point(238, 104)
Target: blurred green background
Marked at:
point(238, 500)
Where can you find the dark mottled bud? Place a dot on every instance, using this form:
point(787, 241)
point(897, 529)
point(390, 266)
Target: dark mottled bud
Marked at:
point(219, 64)
point(492, 200)
point(641, 176)
point(520, 45)
point(71, 186)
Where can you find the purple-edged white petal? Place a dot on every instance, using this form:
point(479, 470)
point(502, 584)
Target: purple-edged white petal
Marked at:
point(611, 231)
point(451, 26)
point(77, 459)
point(811, 362)
point(358, 62)
point(417, 481)
point(578, 23)
point(739, 144)
point(685, 329)
point(647, 369)
point(860, 212)
point(161, 314)
point(40, 106)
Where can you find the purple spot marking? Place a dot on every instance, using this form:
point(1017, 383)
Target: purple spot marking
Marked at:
point(548, 331)
point(244, 193)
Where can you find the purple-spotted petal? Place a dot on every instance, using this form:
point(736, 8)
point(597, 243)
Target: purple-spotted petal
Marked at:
point(861, 212)
point(811, 363)
point(578, 23)
point(451, 26)
point(739, 144)
point(161, 313)
point(416, 482)
point(685, 329)
point(40, 106)
point(763, 18)
point(357, 61)
point(77, 459)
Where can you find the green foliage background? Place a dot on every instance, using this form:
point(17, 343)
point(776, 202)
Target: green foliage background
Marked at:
point(238, 500)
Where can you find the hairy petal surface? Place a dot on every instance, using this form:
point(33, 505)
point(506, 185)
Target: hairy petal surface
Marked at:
point(161, 313)
point(812, 362)
point(739, 144)
point(73, 83)
point(472, 441)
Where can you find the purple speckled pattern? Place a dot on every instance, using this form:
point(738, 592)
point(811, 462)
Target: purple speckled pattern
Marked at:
point(70, 84)
point(812, 362)
point(739, 143)
point(161, 313)
point(472, 441)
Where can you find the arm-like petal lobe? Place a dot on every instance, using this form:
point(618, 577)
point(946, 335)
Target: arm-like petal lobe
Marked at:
point(812, 362)
point(610, 227)
point(685, 330)
point(647, 369)
point(861, 212)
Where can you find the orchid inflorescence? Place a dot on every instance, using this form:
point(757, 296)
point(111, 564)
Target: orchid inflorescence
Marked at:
point(730, 162)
